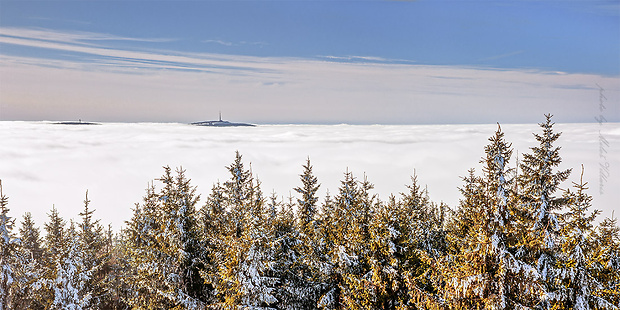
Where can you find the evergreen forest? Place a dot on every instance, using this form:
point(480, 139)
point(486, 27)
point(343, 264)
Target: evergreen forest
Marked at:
point(521, 237)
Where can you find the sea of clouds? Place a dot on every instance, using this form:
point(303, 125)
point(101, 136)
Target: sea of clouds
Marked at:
point(44, 164)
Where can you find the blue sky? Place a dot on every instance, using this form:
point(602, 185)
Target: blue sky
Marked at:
point(578, 38)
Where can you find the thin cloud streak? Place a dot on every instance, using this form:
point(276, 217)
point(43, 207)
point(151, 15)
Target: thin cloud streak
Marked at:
point(506, 55)
point(136, 56)
point(229, 43)
point(72, 37)
point(220, 42)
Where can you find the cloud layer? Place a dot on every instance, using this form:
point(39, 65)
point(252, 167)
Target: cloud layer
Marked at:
point(42, 164)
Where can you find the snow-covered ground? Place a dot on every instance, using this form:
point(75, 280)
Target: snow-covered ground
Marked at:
point(42, 164)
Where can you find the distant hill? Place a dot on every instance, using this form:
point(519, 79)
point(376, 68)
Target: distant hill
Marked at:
point(79, 122)
point(221, 123)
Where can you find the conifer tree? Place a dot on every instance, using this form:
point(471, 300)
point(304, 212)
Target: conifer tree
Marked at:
point(9, 247)
point(164, 248)
point(31, 294)
point(55, 239)
point(341, 257)
point(307, 204)
point(213, 223)
point(116, 268)
point(137, 239)
point(419, 242)
point(294, 263)
point(325, 241)
point(305, 250)
point(577, 275)
point(514, 277)
point(237, 195)
point(465, 216)
point(94, 258)
point(360, 293)
point(30, 237)
point(236, 286)
point(606, 255)
point(485, 272)
point(348, 279)
point(140, 244)
point(55, 246)
point(539, 183)
point(248, 279)
point(256, 275)
point(179, 201)
point(388, 255)
point(71, 289)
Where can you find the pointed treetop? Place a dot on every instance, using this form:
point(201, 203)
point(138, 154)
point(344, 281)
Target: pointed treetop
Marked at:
point(3, 199)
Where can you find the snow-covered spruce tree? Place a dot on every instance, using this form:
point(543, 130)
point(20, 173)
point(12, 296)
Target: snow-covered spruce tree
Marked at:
point(55, 245)
point(484, 271)
point(237, 196)
point(325, 241)
point(30, 293)
point(30, 237)
point(421, 222)
point(283, 238)
point(55, 234)
point(245, 265)
point(339, 233)
point(71, 289)
point(9, 249)
point(247, 274)
point(538, 183)
point(303, 285)
point(462, 223)
point(388, 255)
point(179, 201)
point(256, 266)
point(349, 277)
point(577, 277)
point(140, 247)
point(295, 265)
point(606, 255)
point(233, 198)
point(213, 225)
point(115, 291)
point(307, 203)
point(360, 291)
point(515, 284)
point(223, 220)
point(92, 239)
point(462, 220)
point(163, 247)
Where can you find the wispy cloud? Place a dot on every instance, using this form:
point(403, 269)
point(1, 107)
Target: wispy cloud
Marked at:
point(68, 37)
point(106, 54)
point(240, 43)
point(505, 55)
point(68, 21)
point(353, 58)
point(364, 59)
point(220, 42)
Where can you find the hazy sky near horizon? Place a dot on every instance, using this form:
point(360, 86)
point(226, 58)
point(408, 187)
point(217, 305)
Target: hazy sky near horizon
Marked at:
point(358, 62)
